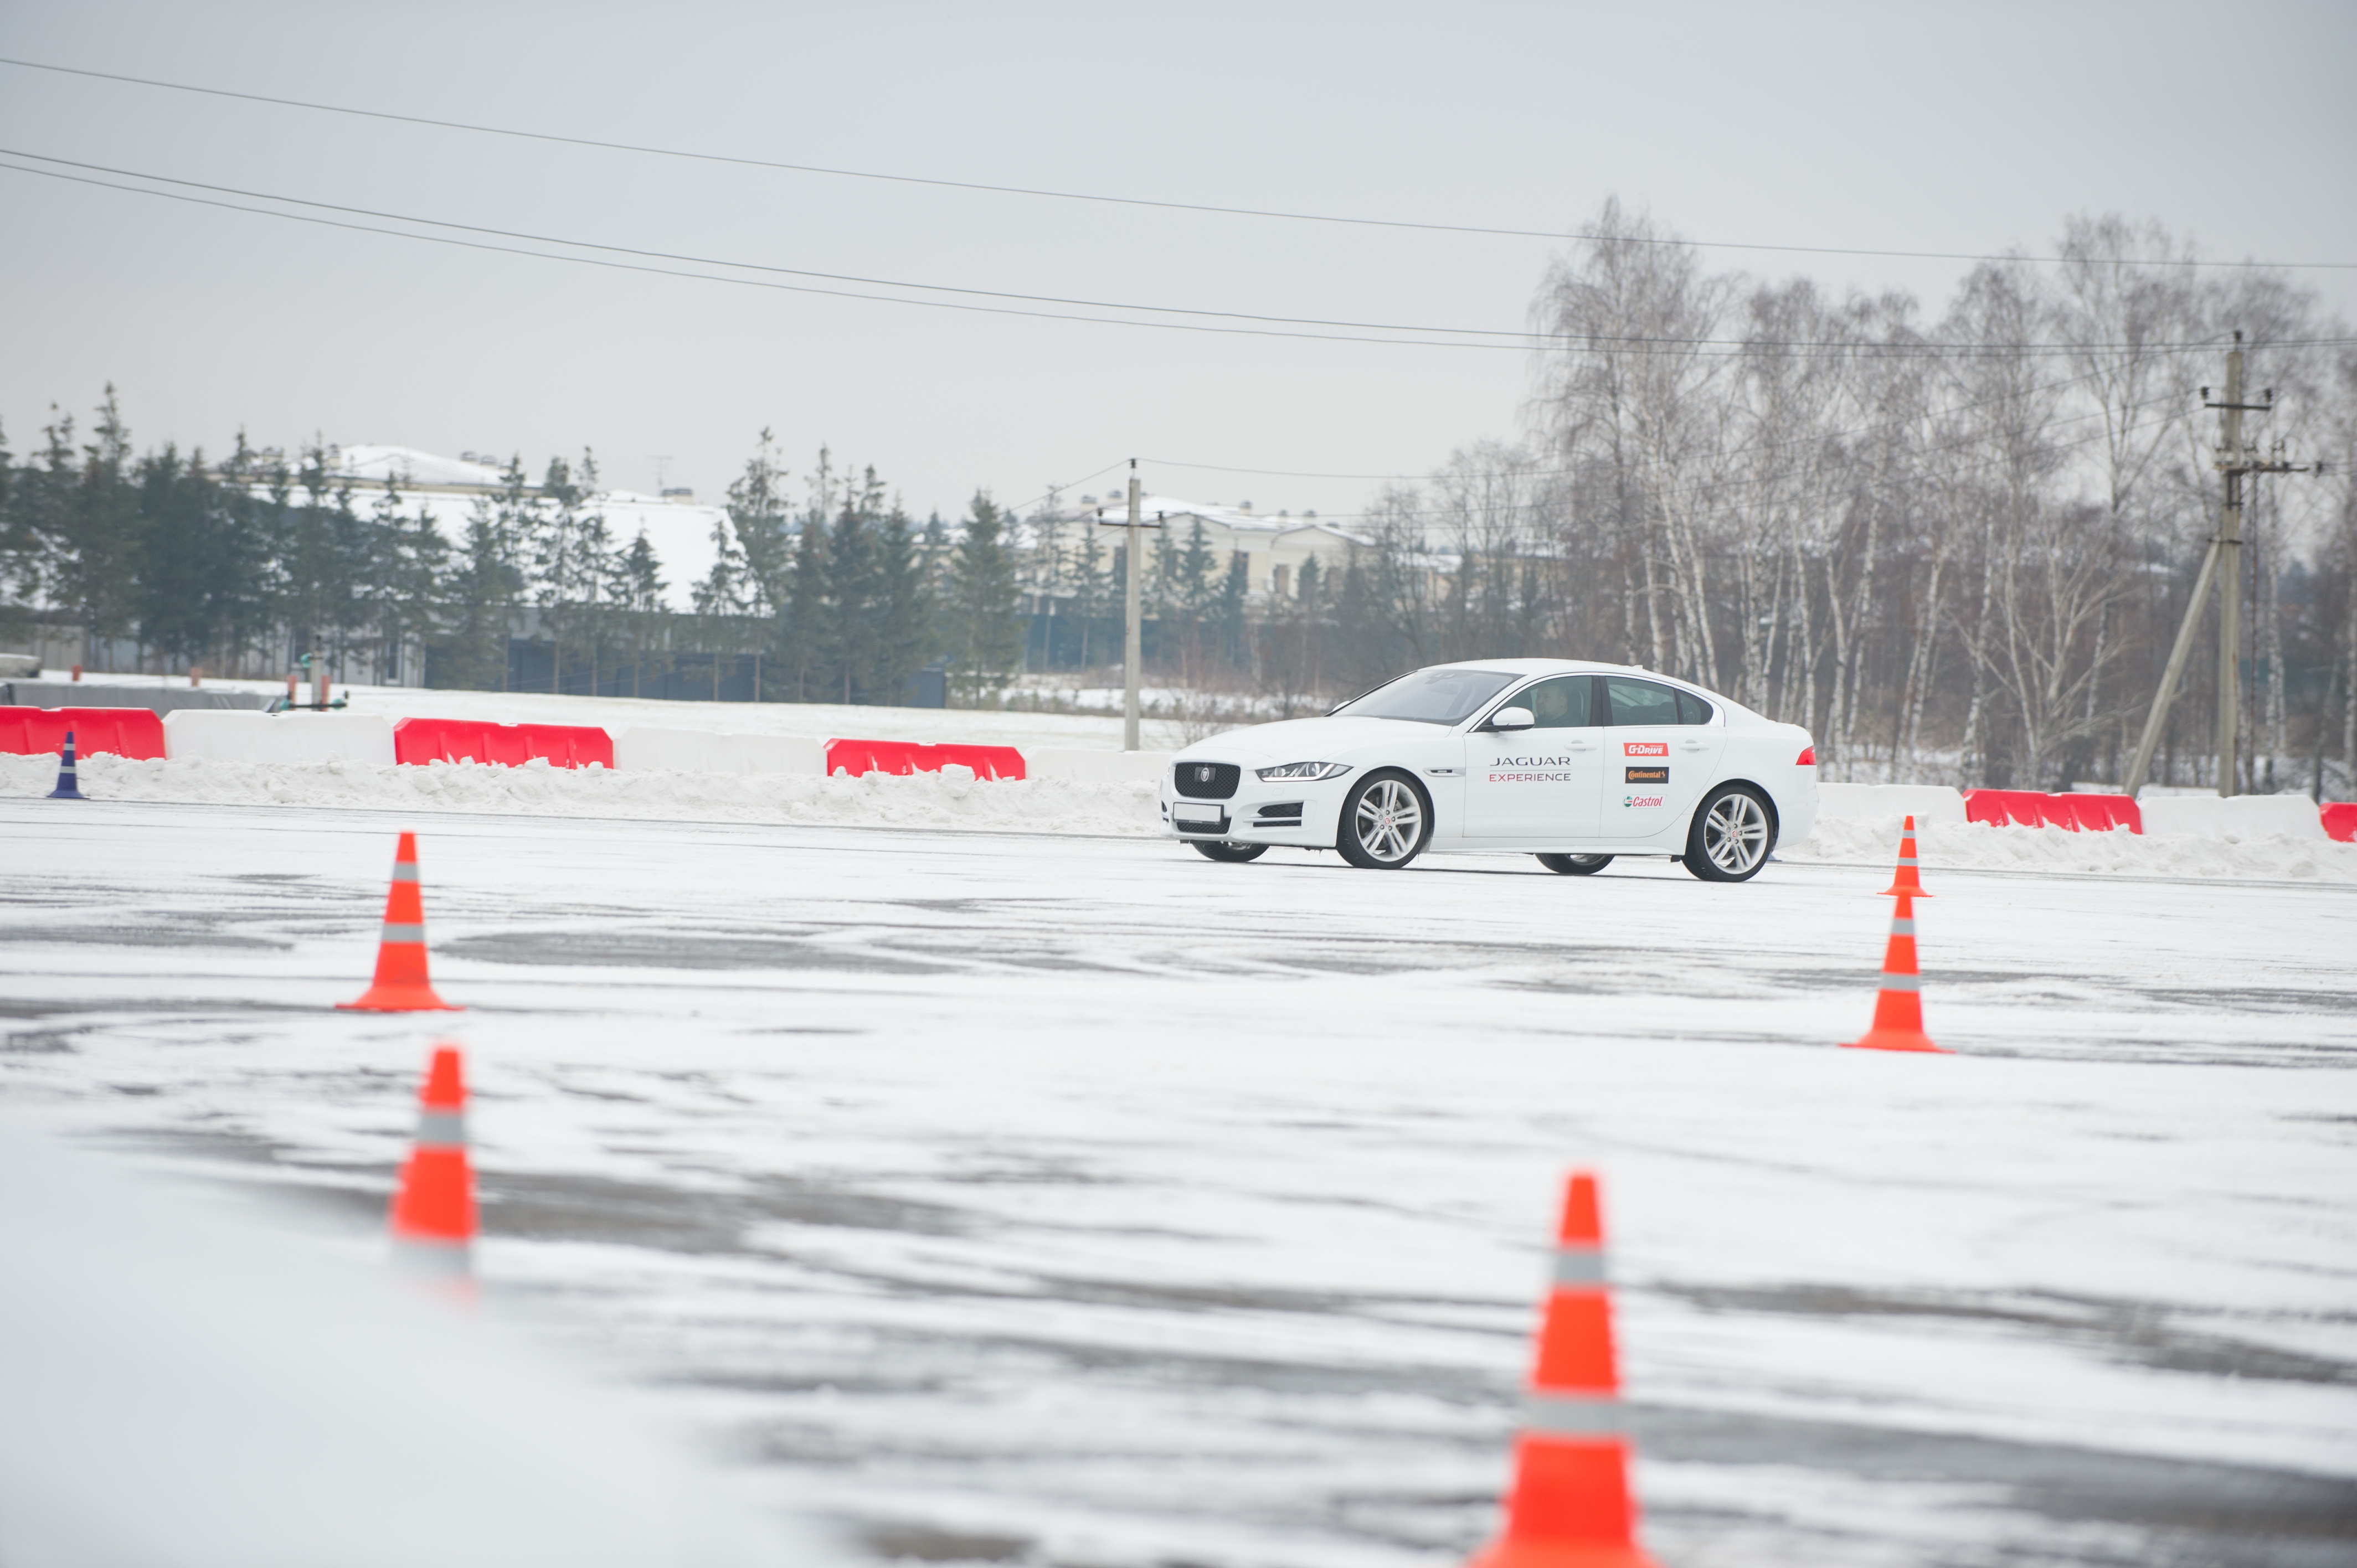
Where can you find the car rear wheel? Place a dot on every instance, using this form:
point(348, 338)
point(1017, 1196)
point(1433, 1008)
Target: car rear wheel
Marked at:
point(1576, 864)
point(1387, 821)
point(1732, 836)
point(1222, 850)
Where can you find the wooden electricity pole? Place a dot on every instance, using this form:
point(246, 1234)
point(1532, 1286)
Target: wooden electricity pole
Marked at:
point(2223, 561)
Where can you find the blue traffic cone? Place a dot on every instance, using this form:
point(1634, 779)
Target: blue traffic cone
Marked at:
point(67, 787)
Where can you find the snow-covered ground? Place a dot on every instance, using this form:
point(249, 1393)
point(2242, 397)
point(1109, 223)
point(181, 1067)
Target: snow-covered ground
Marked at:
point(819, 721)
point(954, 800)
point(1066, 1199)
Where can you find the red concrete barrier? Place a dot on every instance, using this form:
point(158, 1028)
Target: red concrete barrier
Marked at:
point(2100, 813)
point(2006, 808)
point(420, 741)
point(858, 757)
point(2340, 820)
point(126, 732)
point(2034, 809)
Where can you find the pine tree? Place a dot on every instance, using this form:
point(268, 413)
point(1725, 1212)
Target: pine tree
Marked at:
point(482, 595)
point(851, 605)
point(637, 590)
point(986, 637)
point(194, 559)
point(803, 646)
point(904, 611)
point(94, 527)
point(761, 523)
point(1094, 590)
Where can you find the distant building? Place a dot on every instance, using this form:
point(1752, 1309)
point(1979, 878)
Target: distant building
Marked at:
point(1274, 549)
point(678, 530)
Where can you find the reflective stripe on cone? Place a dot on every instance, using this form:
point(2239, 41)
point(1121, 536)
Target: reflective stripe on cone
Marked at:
point(434, 1219)
point(69, 783)
point(1908, 880)
point(1569, 1505)
point(1898, 1006)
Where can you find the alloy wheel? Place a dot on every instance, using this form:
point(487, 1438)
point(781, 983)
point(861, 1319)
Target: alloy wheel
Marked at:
point(1735, 833)
point(1389, 821)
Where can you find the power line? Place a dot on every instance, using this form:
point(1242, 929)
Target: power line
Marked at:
point(753, 282)
point(1207, 208)
point(1728, 347)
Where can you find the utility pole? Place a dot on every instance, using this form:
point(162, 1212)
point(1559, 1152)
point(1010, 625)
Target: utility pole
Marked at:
point(1134, 608)
point(1133, 643)
point(2223, 562)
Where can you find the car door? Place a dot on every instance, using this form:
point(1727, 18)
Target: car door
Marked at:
point(1661, 749)
point(1539, 785)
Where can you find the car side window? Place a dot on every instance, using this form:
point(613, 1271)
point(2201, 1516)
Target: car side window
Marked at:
point(1693, 710)
point(1558, 703)
point(1641, 701)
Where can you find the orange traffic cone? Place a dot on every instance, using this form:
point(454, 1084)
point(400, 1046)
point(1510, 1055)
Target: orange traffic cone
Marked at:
point(434, 1207)
point(1570, 1506)
point(1907, 883)
point(1898, 1008)
point(401, 986)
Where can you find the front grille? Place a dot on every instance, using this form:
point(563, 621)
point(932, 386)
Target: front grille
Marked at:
point(1207, 780)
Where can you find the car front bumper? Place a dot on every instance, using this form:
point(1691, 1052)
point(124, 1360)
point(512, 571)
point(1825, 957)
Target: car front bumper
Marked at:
point(1246, 817)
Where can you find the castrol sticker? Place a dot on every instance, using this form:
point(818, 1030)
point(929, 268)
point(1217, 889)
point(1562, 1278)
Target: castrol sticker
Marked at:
point(1644, 749)
point(1641, 801)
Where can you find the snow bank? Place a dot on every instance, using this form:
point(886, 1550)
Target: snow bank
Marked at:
point(949, 799)
point(1975, 846)
point(953, 799)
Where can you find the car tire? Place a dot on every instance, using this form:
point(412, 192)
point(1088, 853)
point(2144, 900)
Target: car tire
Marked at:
point(1576, 864)
point(1733, 835)
point(1224, 851)
point(1387, 821)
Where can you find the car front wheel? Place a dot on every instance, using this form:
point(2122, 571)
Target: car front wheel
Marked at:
point(1732, 835)
point(1387, 821)
point(1576, 864)
point(1222, 850)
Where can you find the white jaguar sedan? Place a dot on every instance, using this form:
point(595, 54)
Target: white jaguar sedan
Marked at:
point(1574, 762)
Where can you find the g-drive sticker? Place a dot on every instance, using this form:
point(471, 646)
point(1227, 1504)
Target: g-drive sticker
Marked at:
point(1644, 775)
point(1644, 749)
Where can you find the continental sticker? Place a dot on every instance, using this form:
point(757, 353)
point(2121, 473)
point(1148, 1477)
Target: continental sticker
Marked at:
point(1640, 799)
point(1644, 749)
point(1644, 775)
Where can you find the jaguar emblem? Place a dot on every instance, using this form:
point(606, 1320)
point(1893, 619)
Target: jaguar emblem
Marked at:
point(1202, 776)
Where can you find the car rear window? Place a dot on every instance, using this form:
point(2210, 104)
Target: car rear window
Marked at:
point(1431, 696)
point(1651, 702)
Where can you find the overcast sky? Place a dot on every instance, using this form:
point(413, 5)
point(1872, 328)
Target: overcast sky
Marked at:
point(1880, 126)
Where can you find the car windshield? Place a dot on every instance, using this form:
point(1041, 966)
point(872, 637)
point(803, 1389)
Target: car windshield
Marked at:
point(1431, 696)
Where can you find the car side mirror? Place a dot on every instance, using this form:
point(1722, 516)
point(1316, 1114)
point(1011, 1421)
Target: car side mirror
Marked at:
point(1512, 718)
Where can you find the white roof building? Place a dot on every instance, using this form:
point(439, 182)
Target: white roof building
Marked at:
point(679, 531)
point(1274, 547)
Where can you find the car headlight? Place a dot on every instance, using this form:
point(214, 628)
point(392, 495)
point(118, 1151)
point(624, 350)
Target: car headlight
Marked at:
point(1303, 771)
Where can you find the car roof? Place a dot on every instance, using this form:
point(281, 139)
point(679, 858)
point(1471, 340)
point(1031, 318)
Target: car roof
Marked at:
point(1536, 666)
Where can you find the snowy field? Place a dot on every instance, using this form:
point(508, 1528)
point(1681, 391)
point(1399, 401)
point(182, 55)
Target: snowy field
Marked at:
point(953, 800)
point(1052, 1198)
point(819, 721)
